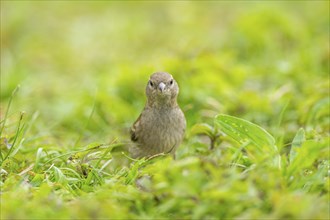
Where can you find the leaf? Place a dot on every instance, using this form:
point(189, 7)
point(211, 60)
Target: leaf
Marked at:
point(307, 154)
point(202, 129)
point(38, 158)
point(243, 131)
point(298, 140)
point(37, 179)
point(320, 108)
point(59, 176)
point(260, 145)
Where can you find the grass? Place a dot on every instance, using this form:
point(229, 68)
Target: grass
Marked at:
point(254, 86)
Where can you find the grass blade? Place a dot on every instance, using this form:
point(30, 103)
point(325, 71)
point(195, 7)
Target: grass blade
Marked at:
point(7, 111)
point(297, 142)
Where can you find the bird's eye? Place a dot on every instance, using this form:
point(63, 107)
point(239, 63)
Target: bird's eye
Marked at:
point(151, 83)
point(171, 82)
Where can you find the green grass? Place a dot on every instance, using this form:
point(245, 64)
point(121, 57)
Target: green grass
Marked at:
point(254, 86)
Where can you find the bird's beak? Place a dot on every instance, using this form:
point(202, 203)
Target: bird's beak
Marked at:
point(161, 86)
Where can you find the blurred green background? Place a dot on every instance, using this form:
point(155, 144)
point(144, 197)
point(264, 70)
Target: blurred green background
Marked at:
point(82, 67)
point(241, 58)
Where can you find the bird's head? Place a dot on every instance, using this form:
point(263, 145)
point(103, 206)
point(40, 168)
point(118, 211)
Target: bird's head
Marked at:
point(162, 90)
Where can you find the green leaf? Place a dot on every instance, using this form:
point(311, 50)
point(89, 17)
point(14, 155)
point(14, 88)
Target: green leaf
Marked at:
point(243, 131)
point(298, 140)
point(202, 129)
point(59, 176)
point(37, 179)
point(38, 158)
point(259, 144)
point(306, 155)
point(319, 109)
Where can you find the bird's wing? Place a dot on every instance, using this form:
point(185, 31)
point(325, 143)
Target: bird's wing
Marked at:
point(133, 129)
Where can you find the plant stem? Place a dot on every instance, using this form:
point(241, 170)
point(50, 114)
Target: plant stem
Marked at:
point(8, 107)
point(18, 131)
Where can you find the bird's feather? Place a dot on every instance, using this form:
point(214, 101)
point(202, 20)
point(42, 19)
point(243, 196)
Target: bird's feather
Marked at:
point(134, 136)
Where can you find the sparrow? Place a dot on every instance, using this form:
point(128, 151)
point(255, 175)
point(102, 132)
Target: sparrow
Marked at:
point(161, 126)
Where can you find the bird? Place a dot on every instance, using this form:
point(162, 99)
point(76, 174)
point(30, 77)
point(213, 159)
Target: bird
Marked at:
point(161, 125)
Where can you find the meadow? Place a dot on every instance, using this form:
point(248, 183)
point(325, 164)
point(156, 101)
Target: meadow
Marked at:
point(254, 87)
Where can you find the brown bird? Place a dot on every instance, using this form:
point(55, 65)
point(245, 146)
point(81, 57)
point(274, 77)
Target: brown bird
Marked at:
point(161, 125)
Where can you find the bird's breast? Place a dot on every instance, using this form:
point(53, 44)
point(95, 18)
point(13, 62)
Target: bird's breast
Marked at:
point(163, 128)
